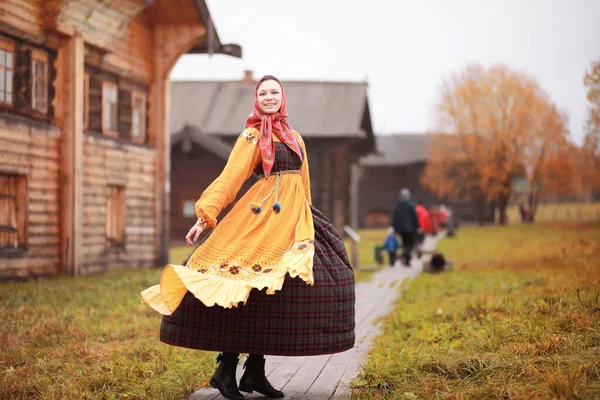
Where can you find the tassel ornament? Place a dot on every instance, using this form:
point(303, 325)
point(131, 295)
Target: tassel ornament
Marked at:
point(277, 208)
point(256, 207)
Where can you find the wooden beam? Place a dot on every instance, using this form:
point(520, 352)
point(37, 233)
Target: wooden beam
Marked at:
point(70, 69)
point(100, 23)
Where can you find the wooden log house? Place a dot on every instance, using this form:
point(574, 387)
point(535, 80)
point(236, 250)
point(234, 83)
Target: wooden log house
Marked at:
point(84, 94)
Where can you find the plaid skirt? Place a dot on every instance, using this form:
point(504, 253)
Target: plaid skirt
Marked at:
point(299, 320)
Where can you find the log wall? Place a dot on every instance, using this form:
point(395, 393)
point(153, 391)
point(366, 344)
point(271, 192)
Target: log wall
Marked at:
point(32, 149)
point(108, 161)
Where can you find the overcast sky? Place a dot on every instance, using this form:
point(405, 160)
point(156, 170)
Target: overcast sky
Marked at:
point(404, 49)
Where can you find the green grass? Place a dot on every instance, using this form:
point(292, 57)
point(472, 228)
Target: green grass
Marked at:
point(517, 318)
point(559, 212)
point(91, 338)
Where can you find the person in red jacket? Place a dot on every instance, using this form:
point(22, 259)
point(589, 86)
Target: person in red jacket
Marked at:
point(425, 226)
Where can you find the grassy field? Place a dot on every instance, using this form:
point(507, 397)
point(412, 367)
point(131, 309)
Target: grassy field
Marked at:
point(517, 318)
point(560, 212)
point(91, 338)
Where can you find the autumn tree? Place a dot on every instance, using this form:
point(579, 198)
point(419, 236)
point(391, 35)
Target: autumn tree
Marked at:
point(591, 143)
point(497, 125)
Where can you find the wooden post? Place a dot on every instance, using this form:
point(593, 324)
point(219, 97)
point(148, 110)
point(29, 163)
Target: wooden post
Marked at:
point(354, 239)
point(159, 98)
point(70, 71)
point(356, 172)
point(170, 42)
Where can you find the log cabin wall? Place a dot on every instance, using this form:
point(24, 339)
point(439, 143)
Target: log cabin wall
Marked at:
point(30, 151)
point(85, 184)
point(117, 159)
point(108, 163)
point(29, 158)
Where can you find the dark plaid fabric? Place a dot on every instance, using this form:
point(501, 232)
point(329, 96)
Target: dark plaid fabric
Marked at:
point(299, 320)
point(285, 160)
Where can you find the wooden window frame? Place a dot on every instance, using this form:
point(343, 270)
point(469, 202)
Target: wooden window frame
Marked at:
point(8, 46)
point(108, 130)
point(39, 56)
point(115, 216)
point(16, 212)
point(143, 128)
point(86, 101)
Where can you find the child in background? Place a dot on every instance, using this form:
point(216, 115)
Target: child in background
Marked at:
point(391, 245)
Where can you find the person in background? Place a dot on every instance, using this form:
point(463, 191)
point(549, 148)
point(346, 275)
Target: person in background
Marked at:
point(449, 223)
point(405, 224)
point(425, 227)
point(391, 245)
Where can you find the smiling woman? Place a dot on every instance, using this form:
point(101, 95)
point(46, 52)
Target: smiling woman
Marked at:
point(269, 95)
point(268, 280)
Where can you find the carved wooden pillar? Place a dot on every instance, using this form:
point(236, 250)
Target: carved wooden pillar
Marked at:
point(170, 42)
point(70, 66)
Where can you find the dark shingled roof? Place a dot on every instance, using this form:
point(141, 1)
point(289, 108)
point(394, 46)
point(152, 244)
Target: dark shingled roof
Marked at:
point(398, 149)
point(315, 109)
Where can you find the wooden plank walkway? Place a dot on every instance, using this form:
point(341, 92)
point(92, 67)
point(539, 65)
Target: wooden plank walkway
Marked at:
point(329, 376)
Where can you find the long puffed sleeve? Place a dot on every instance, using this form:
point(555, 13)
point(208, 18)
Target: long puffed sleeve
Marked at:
point(304, 170)
point(222, 191)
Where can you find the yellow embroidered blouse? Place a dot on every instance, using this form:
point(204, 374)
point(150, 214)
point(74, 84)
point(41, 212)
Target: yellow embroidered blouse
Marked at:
point(245, 250)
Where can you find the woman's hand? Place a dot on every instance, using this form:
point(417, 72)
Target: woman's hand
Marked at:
point(193, 235)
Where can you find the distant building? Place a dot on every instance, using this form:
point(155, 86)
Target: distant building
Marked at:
point(399, 162)
point(207, 116)
point(84, 160)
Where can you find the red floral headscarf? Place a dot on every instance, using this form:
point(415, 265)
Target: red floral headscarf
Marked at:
point(272, 123)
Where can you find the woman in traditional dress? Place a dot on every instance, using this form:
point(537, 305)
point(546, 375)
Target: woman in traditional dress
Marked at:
point(273, 277)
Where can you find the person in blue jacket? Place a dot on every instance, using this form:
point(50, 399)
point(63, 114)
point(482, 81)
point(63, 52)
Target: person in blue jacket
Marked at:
point(405, 224)
point(391, 245)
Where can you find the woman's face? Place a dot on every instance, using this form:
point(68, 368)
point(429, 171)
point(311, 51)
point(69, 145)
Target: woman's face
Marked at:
point(269, 96)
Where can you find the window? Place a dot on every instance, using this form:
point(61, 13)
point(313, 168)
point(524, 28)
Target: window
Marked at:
point(138, 117)
point(39, 81)
point(86, 101)
point(109, 109)
point(7, 55)
point(189, 209)
point(13, 211)
point(115, 216)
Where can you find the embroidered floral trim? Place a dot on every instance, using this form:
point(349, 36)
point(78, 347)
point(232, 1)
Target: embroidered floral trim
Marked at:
point(240, 270)
point(250, 137)
point(303, 246)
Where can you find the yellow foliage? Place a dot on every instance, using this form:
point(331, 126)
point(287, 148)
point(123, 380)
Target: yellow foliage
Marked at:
point(498, 125)
point(591, 146)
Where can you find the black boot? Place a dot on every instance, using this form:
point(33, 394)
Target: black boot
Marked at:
point(224, 377)
point(254, 378)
